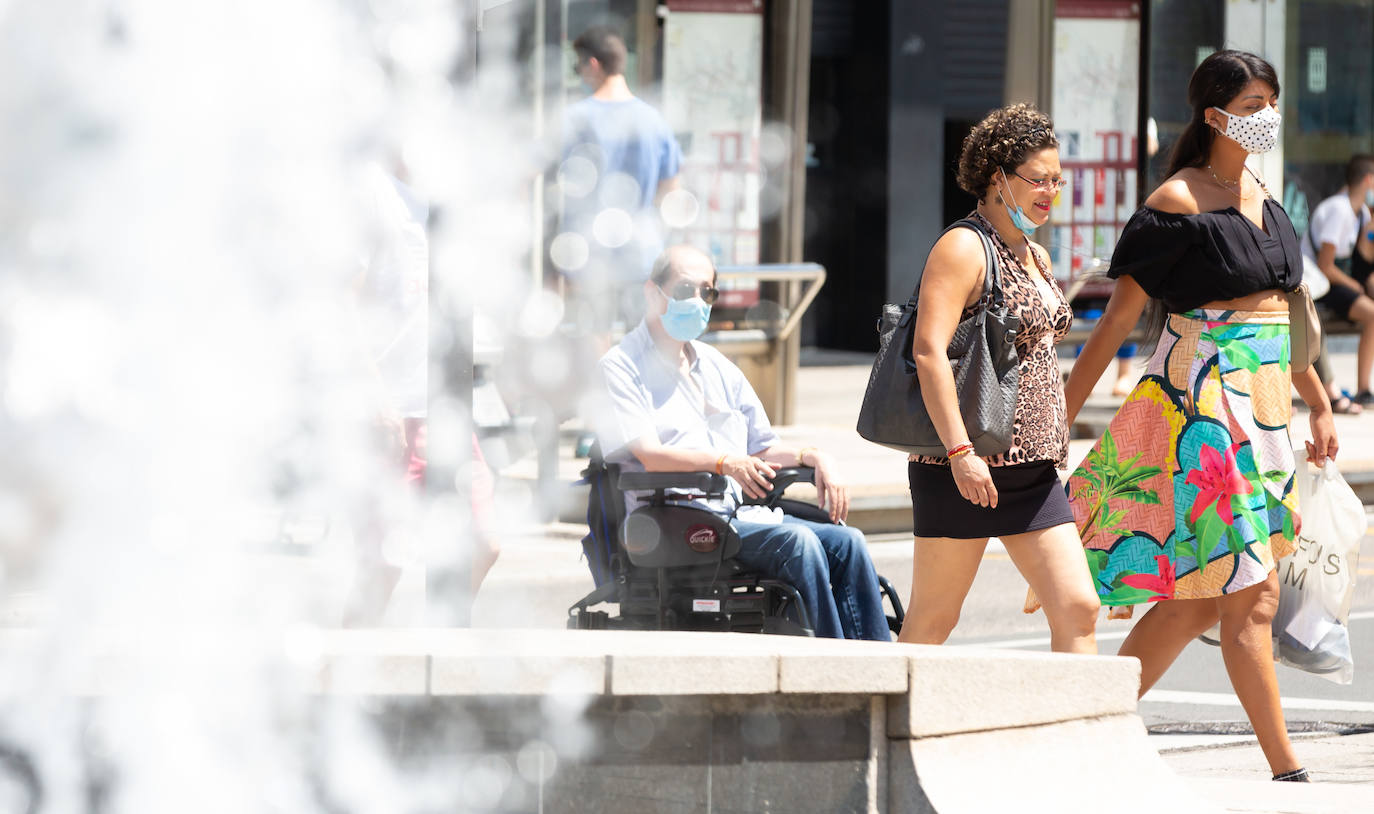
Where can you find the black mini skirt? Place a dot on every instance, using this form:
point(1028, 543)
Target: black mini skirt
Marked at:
point(1029, 498)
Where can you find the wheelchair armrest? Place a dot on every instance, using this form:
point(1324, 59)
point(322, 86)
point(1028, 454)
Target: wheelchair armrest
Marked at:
point(705, 482)
point(784, 478)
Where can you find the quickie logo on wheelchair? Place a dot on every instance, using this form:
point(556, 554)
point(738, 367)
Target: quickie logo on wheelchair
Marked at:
point(702, 538)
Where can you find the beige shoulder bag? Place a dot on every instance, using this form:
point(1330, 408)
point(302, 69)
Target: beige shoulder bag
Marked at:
point(1304, 329)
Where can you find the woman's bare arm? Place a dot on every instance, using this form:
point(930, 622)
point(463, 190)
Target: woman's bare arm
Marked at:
point(1117, 320)
point(952, 280)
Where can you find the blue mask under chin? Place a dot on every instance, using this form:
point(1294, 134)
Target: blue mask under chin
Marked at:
point(685, 320)
point(1018, 215)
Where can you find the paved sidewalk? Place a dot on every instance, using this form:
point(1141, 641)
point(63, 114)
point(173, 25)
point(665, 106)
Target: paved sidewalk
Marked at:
point(1234, 776)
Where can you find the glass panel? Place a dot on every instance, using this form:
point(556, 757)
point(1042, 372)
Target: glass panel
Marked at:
point(1182, 34)
point(1328, 98)
point(713, 98)
point(1096, 92)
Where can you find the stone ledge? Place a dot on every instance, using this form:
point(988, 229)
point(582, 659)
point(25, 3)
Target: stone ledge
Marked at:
point(968, 690)
point(1092, 764)
point(932, 690)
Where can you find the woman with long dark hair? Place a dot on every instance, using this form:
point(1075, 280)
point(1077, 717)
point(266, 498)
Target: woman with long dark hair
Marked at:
point(1188, 500)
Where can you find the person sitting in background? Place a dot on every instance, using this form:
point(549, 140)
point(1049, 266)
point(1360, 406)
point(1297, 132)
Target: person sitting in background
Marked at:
point(673, 404)
point(1339, 231)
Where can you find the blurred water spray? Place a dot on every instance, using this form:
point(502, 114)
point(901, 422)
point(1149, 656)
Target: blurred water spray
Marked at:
point(179, 228)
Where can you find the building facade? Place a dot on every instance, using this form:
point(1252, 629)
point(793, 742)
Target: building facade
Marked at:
point(828, 130)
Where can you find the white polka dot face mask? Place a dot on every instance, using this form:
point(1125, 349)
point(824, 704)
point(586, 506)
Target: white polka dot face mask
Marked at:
point(1257, 133)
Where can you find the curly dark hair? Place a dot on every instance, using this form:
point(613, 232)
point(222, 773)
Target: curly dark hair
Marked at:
point(1005, 138)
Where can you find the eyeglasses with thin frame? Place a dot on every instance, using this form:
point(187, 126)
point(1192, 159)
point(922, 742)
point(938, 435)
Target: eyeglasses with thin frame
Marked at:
point(683, 290)
point(1047, 184)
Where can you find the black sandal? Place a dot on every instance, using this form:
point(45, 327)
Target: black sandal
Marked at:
point(1295, 776)
point(1345, 406)
point(1364, 398)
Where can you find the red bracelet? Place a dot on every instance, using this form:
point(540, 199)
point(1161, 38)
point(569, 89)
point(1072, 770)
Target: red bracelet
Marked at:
point(961, 449)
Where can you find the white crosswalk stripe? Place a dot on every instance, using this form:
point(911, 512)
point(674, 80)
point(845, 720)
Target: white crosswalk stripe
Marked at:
point(1225, 699)
point(1042, 641)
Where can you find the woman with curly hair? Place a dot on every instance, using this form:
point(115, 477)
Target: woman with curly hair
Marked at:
point(1188, 501)
point(1010, 163)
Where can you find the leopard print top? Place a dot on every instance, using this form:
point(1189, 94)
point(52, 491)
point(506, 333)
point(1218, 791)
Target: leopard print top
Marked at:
point(1040, 430)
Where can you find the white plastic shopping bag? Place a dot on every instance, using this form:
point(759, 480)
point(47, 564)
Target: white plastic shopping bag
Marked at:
point(1316, 582)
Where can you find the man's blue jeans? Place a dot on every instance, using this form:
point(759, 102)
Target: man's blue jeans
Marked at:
point(828, 565)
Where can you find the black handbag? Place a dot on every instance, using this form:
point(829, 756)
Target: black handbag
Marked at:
point(982, 354)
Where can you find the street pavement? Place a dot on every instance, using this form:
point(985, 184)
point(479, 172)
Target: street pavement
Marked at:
point(1192, 713)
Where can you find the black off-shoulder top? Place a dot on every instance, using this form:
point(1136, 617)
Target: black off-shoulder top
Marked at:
point(1189, 260)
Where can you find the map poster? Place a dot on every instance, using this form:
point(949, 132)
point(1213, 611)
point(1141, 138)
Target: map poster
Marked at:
point(713, 99)
point(1096, 69)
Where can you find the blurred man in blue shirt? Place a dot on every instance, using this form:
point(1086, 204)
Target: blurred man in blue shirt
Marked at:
point(619, 159)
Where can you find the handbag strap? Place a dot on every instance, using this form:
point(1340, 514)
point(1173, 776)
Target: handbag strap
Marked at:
point(992, 273)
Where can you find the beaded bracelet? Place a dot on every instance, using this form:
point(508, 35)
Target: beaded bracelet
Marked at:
point(962, 449)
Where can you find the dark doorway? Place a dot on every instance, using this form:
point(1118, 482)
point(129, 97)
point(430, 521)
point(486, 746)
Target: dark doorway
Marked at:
point(846, 176)
point(957, 203)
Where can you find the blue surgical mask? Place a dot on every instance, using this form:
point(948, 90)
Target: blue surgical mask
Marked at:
point(1018, 215)
point(685, 320)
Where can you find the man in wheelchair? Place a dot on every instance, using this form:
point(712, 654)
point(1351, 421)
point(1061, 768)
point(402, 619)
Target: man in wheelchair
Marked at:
point(672, 404)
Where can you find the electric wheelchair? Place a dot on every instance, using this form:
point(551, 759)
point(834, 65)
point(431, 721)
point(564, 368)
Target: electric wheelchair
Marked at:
point(672, 567)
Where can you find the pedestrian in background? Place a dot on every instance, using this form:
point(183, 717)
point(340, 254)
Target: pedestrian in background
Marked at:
point(1188, 500)
point(392, 290)
point(1335, 238)
point(619, 160)
point(1010, 163)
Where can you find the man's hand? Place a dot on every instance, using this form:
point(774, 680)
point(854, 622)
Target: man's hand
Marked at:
point(754, 475)
point(831, 493)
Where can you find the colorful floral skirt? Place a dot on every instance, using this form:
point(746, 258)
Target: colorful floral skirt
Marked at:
point(1190, 492)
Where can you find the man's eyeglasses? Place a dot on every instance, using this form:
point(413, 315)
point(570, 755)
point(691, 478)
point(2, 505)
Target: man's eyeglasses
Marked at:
point(1047, 184)
point(683, 290)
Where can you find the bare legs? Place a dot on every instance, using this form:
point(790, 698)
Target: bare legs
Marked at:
point(1246, 648)
point(1163, 632)
point(1053, 564)
point(1363, 313)
point(942, 571)
point(1050, 559)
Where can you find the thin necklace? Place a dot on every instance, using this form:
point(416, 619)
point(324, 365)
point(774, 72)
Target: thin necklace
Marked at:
point(1232, 187)
point(1259, 181)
